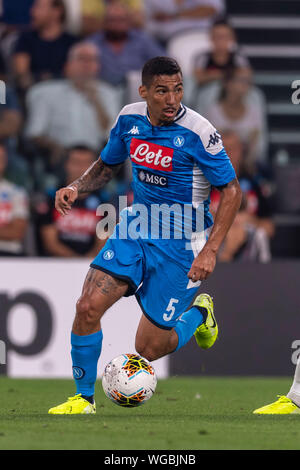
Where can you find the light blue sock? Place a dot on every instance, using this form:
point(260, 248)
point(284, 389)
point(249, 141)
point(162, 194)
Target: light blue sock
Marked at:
point(187, 325)
point(85, 354)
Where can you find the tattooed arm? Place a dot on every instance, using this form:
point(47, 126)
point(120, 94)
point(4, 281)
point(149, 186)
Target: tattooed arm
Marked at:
point(96, 176)
point(204, 263)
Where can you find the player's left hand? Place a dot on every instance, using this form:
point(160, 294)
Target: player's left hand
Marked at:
point(203, 265)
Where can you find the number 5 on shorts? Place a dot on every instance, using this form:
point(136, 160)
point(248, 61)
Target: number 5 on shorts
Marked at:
point(171, 309)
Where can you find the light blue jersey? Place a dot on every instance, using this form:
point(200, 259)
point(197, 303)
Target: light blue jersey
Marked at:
point(172, 166)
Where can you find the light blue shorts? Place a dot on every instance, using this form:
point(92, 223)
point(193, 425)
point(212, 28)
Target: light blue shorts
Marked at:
point(155, 273)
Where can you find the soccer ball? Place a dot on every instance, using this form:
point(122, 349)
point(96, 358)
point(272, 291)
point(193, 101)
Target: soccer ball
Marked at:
point(129, 380)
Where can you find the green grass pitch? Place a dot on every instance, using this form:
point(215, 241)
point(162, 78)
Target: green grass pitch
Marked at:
point(184, 413)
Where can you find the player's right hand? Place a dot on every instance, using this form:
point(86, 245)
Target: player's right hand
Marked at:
point(64, 199)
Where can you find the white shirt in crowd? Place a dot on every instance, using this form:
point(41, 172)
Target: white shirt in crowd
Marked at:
point(57, 110)
point(13, 205)
point(252, 121)
point(166, 29)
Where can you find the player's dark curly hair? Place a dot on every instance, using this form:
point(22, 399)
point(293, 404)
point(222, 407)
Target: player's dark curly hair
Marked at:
point(159, 66)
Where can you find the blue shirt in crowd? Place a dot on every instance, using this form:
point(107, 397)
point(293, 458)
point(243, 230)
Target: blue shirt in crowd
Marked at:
point(16, 12)
point(47, 58)
point(138, 48)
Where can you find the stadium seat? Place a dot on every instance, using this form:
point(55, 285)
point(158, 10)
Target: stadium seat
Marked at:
point(133, 82)
point(183, 47)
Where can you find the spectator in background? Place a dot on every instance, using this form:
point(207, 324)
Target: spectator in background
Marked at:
point(93, 12)
point(222, 57)
point(79, 108)
point(75, 234)
point(15, 16)
point(10, 126)
point(14, 213)
point(41, 53)
point(233, 111)
point(170, 17)
point(249, 237)
point(122, 48)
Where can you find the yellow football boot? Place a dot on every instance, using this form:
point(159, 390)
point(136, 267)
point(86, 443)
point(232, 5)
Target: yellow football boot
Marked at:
point(283, 406)
point(207, 333)
point(74, 406)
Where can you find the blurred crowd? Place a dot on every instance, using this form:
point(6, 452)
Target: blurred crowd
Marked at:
point(69, 66)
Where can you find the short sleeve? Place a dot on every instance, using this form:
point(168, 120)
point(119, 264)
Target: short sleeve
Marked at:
point(115, 151)
point(212, 158)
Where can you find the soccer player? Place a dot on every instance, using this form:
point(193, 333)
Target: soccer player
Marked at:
point(176, 156)
point(286, 404)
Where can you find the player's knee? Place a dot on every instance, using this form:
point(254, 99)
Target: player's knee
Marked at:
point(87, 311)
point(149, 352)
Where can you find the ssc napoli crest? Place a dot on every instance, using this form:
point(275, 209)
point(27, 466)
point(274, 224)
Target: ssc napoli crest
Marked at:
point(78, 372)
point(108, 255)
point(179, 141)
